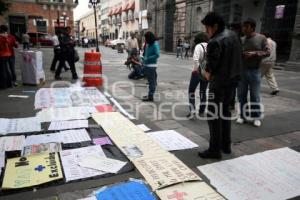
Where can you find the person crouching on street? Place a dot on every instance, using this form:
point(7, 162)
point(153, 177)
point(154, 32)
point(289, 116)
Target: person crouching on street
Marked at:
point(151, 56)
point(136, 66)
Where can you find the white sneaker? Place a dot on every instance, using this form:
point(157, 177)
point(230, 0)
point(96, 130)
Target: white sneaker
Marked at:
point(240, 120)
point(257, 123)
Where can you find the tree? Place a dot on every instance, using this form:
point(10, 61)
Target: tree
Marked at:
point(4, 5)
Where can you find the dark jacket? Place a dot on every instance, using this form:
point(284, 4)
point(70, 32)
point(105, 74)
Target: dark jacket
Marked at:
point(67, 44)
point(224, 59)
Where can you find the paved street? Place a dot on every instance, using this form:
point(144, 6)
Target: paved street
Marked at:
point(280, 126)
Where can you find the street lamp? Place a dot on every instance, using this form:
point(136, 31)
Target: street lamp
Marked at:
point(93, 3)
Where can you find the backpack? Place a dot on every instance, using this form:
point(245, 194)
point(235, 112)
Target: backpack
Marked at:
point(202, 65)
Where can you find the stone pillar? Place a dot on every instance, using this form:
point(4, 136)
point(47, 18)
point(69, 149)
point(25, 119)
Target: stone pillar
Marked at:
point(294, 62)
point(169, 24)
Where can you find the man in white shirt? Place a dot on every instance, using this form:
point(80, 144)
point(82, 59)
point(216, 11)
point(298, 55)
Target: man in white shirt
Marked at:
point(132, 44)
point(57, 52)
point(268, 64)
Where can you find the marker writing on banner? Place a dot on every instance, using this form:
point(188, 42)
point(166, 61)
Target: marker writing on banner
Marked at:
point(52, 165)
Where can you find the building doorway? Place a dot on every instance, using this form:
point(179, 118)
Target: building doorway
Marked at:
point(117, 34)
point(17, 26)
point(280, 25)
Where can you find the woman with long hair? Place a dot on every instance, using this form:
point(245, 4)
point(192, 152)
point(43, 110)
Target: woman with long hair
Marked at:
point(151, 56)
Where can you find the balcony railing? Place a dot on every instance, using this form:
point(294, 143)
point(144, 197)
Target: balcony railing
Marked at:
point(57, 2)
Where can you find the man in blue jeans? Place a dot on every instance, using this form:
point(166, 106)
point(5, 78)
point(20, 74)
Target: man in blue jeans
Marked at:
point(151, 56)
point(255, 48)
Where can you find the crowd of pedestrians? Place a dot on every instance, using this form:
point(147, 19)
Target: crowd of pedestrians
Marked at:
point(230, 63)
point(64, 51)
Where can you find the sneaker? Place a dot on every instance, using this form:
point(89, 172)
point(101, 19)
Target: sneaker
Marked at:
point(275, 92)
point(240, 120)
point(15, 84)
point(191, 115)
point(257, 123)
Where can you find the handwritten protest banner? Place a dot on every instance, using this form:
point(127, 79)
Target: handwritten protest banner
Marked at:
point(164, 171)
point(190, 191)
point(125, 134)
point(32, 170)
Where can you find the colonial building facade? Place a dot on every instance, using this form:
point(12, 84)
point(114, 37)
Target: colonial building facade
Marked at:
point(38, 16)
point(174, 19)
point(87, 26)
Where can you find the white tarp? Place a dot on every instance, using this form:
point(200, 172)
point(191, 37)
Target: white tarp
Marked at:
point(272, 175)
point(63, 125)
point(19, 125)
point(171, 140)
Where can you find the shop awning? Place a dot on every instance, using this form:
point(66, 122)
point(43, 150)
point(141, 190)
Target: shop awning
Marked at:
point(126, 7)
point(118, 11)
point(132, 6)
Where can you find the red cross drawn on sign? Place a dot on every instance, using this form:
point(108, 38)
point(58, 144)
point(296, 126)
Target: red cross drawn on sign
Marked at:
point(177, 195)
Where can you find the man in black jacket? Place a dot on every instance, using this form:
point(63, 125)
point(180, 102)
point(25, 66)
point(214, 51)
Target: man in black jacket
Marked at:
point(224, 61)
point(67, 44)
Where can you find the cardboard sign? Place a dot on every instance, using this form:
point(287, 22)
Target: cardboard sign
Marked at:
point(190, 191)
point(164, 171)
point(32, 170)
point(126, 191)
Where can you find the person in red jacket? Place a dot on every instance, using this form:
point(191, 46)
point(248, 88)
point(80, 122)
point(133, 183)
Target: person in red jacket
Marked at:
point(12, 43)
point(5, 76)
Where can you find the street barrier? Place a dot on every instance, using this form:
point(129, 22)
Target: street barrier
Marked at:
point(92, 73)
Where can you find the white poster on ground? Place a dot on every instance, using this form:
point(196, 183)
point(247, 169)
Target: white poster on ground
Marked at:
point(102, 164)
point(20, 125)
point(63, 125)
point(272, 174)
point(171, 140)
point(42, 139)
point(52, 97)
point(12, 143)
point(70, 159)
point(62, 114)
point(74, 136)
point(90, 96)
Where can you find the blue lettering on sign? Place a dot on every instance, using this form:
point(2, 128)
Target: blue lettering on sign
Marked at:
point(39, 168)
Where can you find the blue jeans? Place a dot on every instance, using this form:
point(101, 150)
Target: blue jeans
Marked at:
point(11, 64)
point(179, 52)
point(151, 75)
point(251, 78)
point(194, 82)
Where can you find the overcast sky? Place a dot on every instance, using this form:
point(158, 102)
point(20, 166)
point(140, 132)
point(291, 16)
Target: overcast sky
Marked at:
point(81, 9)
